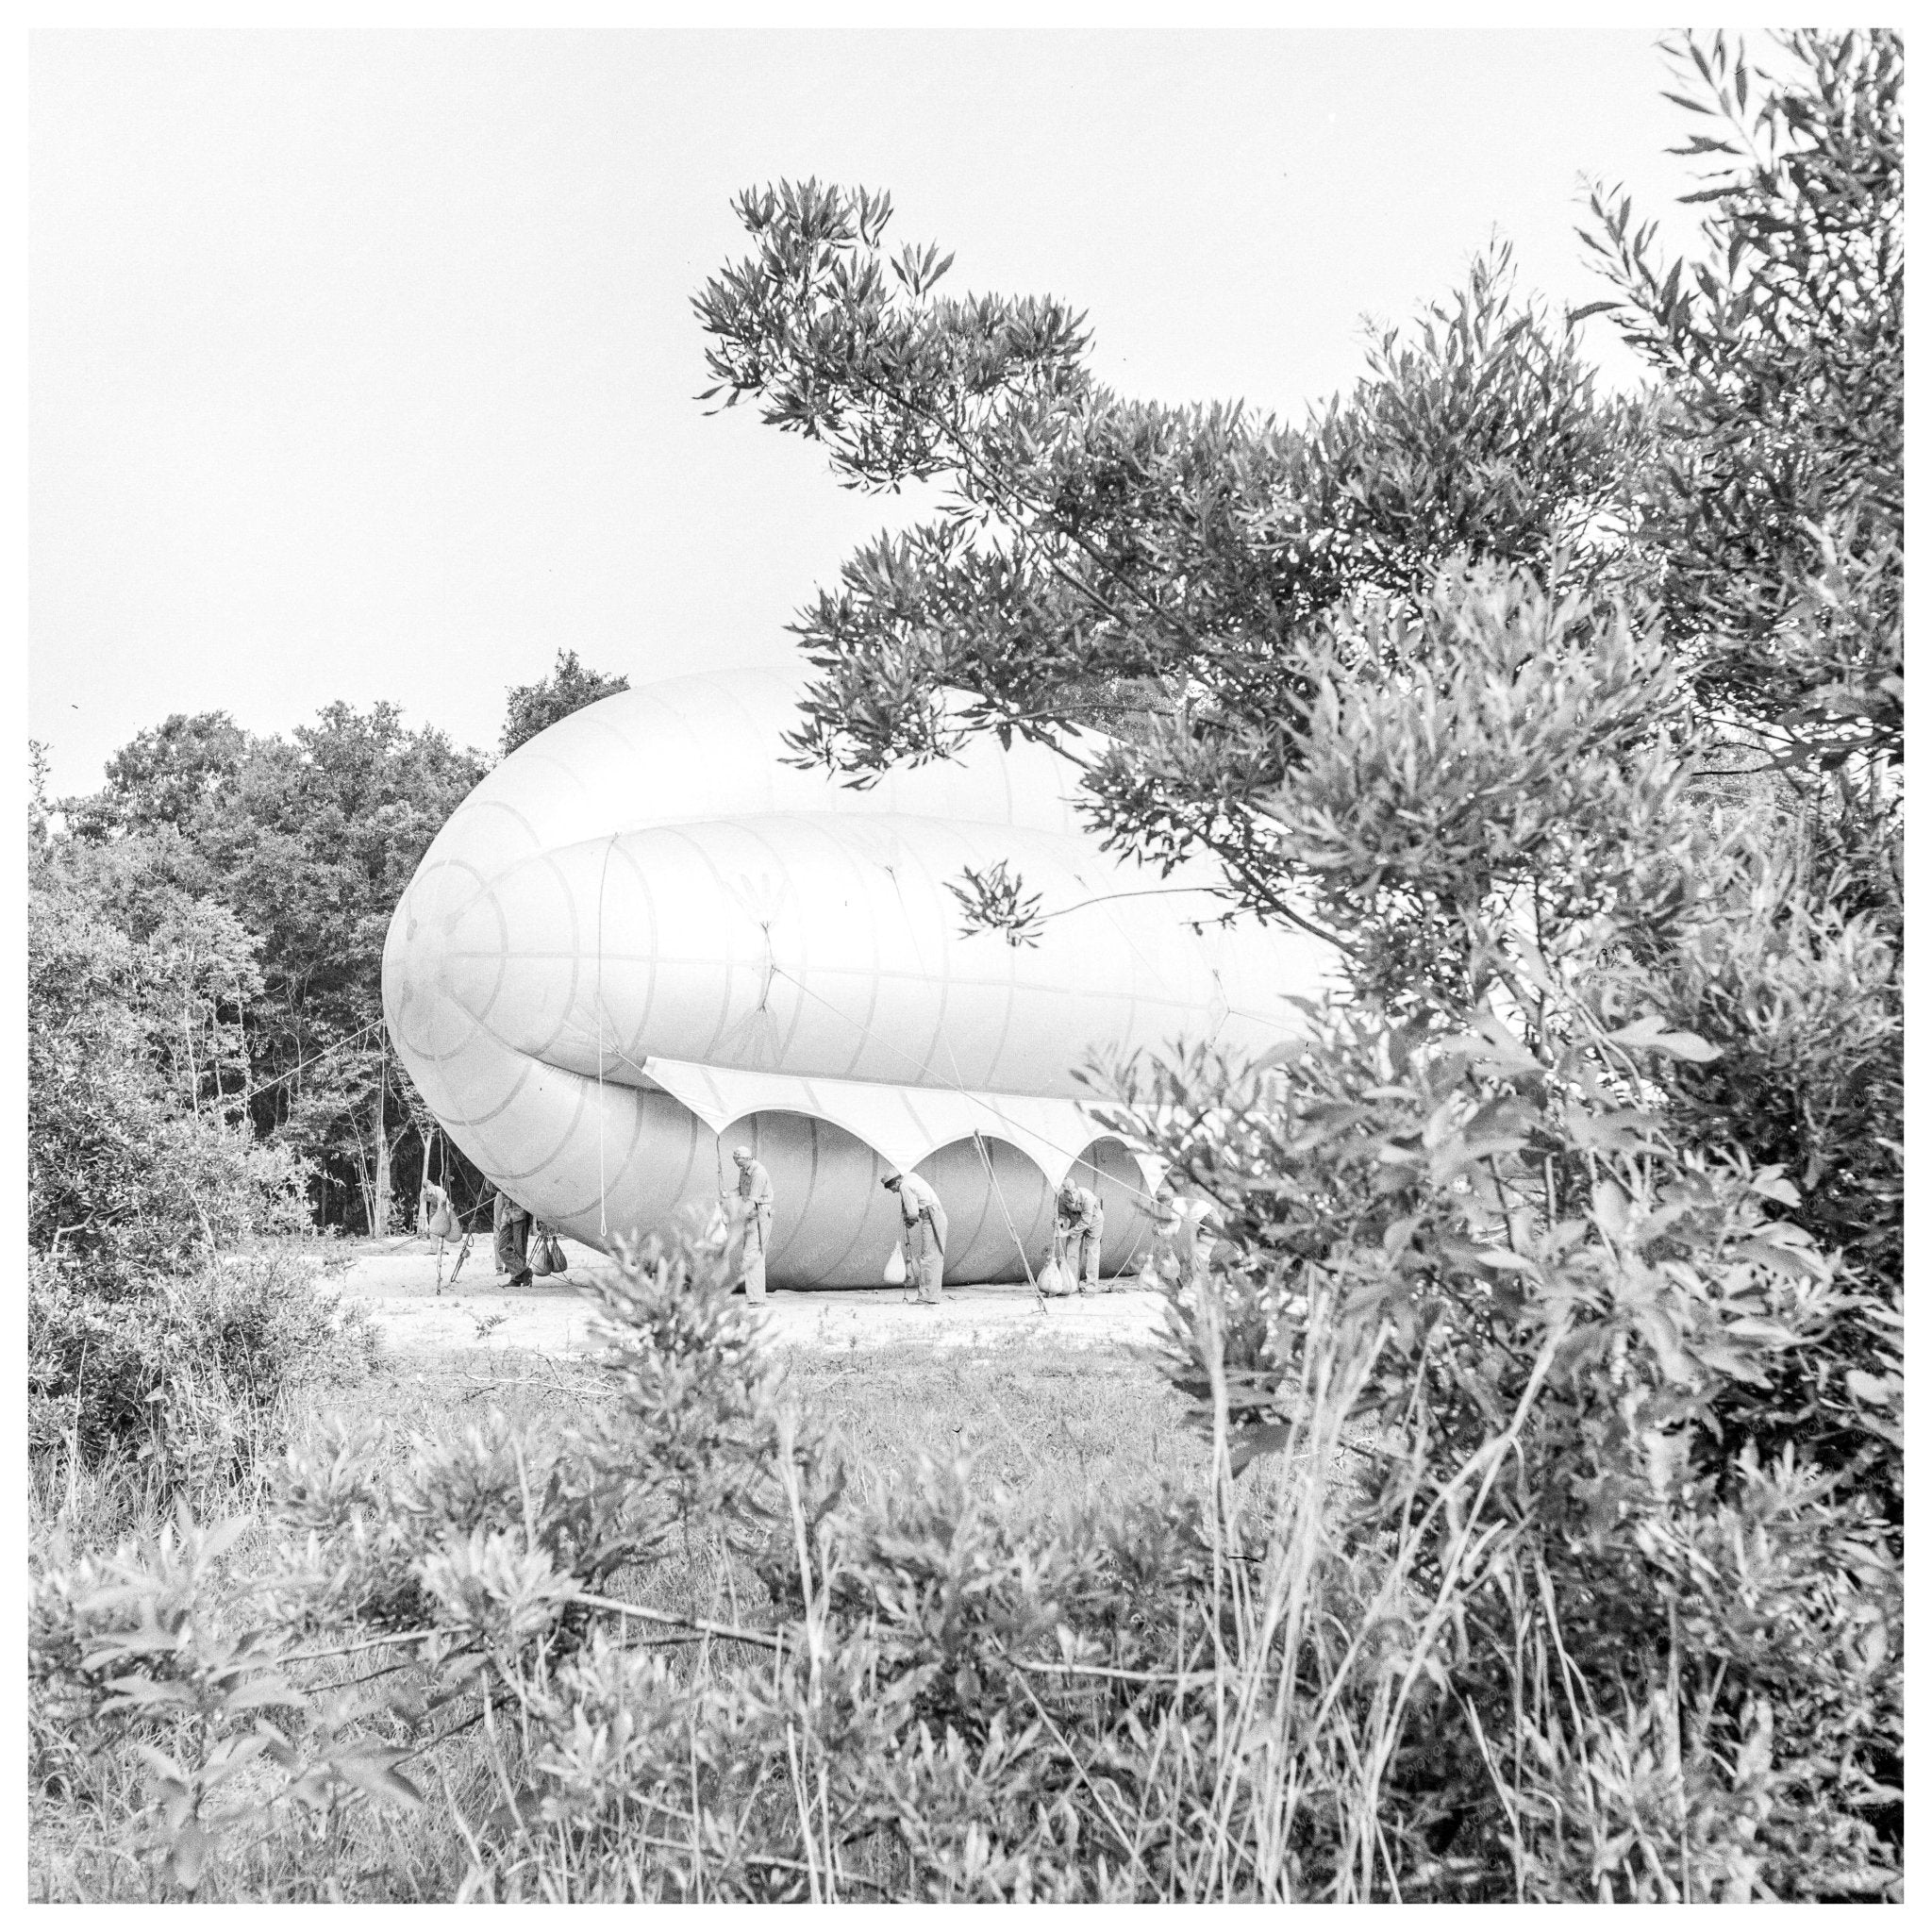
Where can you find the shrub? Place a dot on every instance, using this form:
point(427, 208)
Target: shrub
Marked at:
point(1596, 1364)
point(1546, 1653)
point(132, 1168)
point(196, 1360)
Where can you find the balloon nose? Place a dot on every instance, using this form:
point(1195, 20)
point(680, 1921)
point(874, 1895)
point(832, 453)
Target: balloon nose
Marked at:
point(438, 983)
point(495, 956)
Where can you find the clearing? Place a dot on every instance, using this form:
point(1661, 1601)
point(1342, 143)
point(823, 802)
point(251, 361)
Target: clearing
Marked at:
point(395, 1282)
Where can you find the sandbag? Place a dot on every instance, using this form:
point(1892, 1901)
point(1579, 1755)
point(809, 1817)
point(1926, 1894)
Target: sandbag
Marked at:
point(442, 1224)
point(895, 1267)
point(552, 1253)
point(537, 1257)
point(1053, 1279)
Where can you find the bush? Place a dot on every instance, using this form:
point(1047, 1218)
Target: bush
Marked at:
point(1802, 1002)
point(1797, 986)
point(1477, 1656)
point(132, 1168)
point(1586, 1353)
point(193, 1361)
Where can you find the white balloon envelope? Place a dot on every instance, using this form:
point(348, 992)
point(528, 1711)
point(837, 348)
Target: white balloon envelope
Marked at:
point(646, 938)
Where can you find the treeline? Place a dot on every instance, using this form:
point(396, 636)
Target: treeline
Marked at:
point(1578, 723)
point(207, 1053)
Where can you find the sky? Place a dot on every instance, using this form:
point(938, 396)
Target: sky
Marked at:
point(363, 365)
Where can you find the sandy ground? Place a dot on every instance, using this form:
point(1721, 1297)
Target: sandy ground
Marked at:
point(395, 1281)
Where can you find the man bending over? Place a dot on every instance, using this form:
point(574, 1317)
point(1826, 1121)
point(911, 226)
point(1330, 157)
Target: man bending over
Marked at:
point(924, 1221)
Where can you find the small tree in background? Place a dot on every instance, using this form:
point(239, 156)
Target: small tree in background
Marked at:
point(305, 844)
point(569, 687)
point(139, 1157)
point(165, 776)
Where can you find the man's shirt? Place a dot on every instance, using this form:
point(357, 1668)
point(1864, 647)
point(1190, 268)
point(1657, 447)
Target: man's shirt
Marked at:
point(1082, 1212)
point(915, 1199)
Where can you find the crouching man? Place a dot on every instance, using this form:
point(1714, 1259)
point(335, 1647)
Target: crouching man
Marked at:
point(1183, 1234)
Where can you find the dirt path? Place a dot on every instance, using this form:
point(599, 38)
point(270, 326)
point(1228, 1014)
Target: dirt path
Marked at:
point(395, 1281)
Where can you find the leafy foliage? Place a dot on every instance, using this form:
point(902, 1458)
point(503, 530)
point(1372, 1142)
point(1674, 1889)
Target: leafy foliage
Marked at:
point(141, 1647)
point(1289, 1690)
point(1104, 563)
point(1779, 500)
point(165, 776)
point(569, 687)
point(1488, 766)
point(142, 1373)
point(136, 1159)
point(1568, 1198)
point(302, 845)
point(291, 854)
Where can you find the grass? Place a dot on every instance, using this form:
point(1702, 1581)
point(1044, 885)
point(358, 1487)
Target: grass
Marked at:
point(1099, 1661)
point(1054, 1427)
point(1050, 1426)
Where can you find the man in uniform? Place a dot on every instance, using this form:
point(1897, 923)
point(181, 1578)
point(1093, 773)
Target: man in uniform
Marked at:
point(1077, 1236)
point(924, 1221)
point(753, 1205)
point(511, 1225)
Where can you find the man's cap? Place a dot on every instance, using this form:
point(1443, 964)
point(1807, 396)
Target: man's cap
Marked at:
point(742, 1155)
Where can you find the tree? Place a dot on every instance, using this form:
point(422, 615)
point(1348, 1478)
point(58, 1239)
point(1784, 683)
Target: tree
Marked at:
point(165, 776)
point(1778, 503)
point(39, 812)
point(139, 1158)
point(1434, 675)
point(1327, 676)
point(320, 839)
point(309, 842)
point(1094, 555)
point(569, 687)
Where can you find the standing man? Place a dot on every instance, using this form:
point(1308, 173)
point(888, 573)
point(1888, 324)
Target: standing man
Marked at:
point(753, 1203)
point(512, 1226)
point(1077, 1221)
point(924, 1221)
